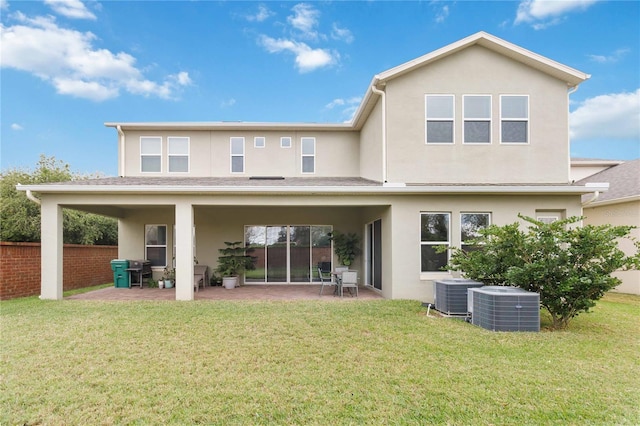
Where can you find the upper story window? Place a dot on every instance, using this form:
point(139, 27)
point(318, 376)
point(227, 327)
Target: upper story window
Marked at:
point(434, 231)
point(470, 224)
point(285, 142)
point(477, 118)
point(259, 142)
point(514, 119)
point(178, 152)
point(308, 155)
point(237, 155)
point(439, 117)
point(150, 154)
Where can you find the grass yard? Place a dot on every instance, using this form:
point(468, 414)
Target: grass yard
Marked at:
point(310, 362)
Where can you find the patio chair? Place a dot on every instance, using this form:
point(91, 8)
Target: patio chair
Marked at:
point(325, 279)
point(349, 280)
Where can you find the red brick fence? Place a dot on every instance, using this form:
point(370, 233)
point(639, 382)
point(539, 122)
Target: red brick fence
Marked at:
point(83, 266)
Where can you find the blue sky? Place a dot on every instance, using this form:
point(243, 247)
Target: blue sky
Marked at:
point(69, 66)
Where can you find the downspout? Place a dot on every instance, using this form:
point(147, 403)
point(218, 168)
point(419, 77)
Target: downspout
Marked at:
point(596, 195)
point(383, 98)
point(121, 140)
point(32, 197)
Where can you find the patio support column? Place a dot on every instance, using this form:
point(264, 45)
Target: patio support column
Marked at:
point(51, 250)
point(184, 251)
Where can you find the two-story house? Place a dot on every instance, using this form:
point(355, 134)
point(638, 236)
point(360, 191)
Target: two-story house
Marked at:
point(468, 135)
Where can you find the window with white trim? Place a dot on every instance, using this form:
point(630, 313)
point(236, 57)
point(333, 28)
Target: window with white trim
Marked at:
point(549, 216)
point(308, 155)
point(477, 118)
point(237, 155)
point(514, 119)
point(439, 118)
point(285, 142)
point(259, 142)
point(434, 231)
point(470, 224)
point(178, 153)
point(155, 244)
point(150, 154)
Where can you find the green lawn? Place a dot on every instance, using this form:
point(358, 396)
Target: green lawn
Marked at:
point(310, 362)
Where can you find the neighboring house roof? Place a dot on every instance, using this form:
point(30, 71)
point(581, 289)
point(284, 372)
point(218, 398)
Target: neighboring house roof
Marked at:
point(623, 179)
point(562, 72)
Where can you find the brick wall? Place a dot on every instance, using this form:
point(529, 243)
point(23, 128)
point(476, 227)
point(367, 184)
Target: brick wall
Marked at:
point(83, 266)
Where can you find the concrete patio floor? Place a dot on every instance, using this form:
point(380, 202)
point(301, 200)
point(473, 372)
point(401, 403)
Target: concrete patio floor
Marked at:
point(245, 292)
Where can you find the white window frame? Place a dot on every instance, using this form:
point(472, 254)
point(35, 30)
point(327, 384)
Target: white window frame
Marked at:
point(303, 155)
point(434, 243)
point(232, 155)
point(257, 144)
point(165, 245)
point(462, 241)
point(288, 144)
point(445, 119)
point(518, 119)
point(550, 216)
point(477, 119)
point(170, 155)
point(159, 154)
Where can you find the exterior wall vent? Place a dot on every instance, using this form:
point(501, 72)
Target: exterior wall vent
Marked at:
point(451, 295)
point(499, 308)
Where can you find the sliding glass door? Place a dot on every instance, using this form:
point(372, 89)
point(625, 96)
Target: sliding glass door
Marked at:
point(287, 253)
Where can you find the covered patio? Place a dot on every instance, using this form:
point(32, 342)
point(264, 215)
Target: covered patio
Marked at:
point(245, 292)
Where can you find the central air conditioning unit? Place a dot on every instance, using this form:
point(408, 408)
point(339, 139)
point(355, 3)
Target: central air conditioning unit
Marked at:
point(499, 308)
point(451, 295)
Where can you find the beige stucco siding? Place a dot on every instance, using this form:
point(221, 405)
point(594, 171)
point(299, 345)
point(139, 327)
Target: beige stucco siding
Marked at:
point(337, 153)
point(625, 213)
point(477, 71)
point(371, 145)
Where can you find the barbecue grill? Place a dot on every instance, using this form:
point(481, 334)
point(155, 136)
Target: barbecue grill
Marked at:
point(139, 271)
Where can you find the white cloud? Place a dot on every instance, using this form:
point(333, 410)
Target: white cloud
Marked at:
point(4, 5)
point(307, 59)
point(349, 106)
point(338, 33)
point(16, 127)
point(612, 58)
point(262, 15)
point(69, 61)
point(442, 14)
point(611, 116)
point(544, 13)
point(71, 9)
point(228, 103)
point(305, 20)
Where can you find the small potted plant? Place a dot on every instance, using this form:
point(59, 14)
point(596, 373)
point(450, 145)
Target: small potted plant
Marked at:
point(346, 247)
point(232, 262)
point(169, 277)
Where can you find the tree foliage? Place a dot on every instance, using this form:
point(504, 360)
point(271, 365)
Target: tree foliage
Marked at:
point(20, 217)
point(569, 266)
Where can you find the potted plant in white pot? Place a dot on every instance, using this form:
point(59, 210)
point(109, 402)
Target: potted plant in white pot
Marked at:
point(169, 277)
point(232, 262)
point(346, 247)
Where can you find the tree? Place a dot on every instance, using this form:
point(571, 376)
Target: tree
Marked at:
point(569, 266)
point(20, 217)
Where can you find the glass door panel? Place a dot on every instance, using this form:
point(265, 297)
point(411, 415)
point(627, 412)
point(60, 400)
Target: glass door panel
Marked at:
point(276, 243)
point(320, 250)
point(255, 241)
point(300, 253)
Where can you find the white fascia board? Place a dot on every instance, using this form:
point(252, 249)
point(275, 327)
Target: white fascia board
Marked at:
point(229, 125)
point(364, 190)
point(613, 201)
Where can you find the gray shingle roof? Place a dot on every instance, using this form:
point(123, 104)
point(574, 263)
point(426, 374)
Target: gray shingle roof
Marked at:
point(624, 181)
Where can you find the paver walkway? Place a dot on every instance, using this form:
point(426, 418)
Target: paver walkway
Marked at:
point(245, 292)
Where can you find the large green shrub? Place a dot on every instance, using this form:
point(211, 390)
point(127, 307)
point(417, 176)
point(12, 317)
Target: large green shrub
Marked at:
point(569, 266)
